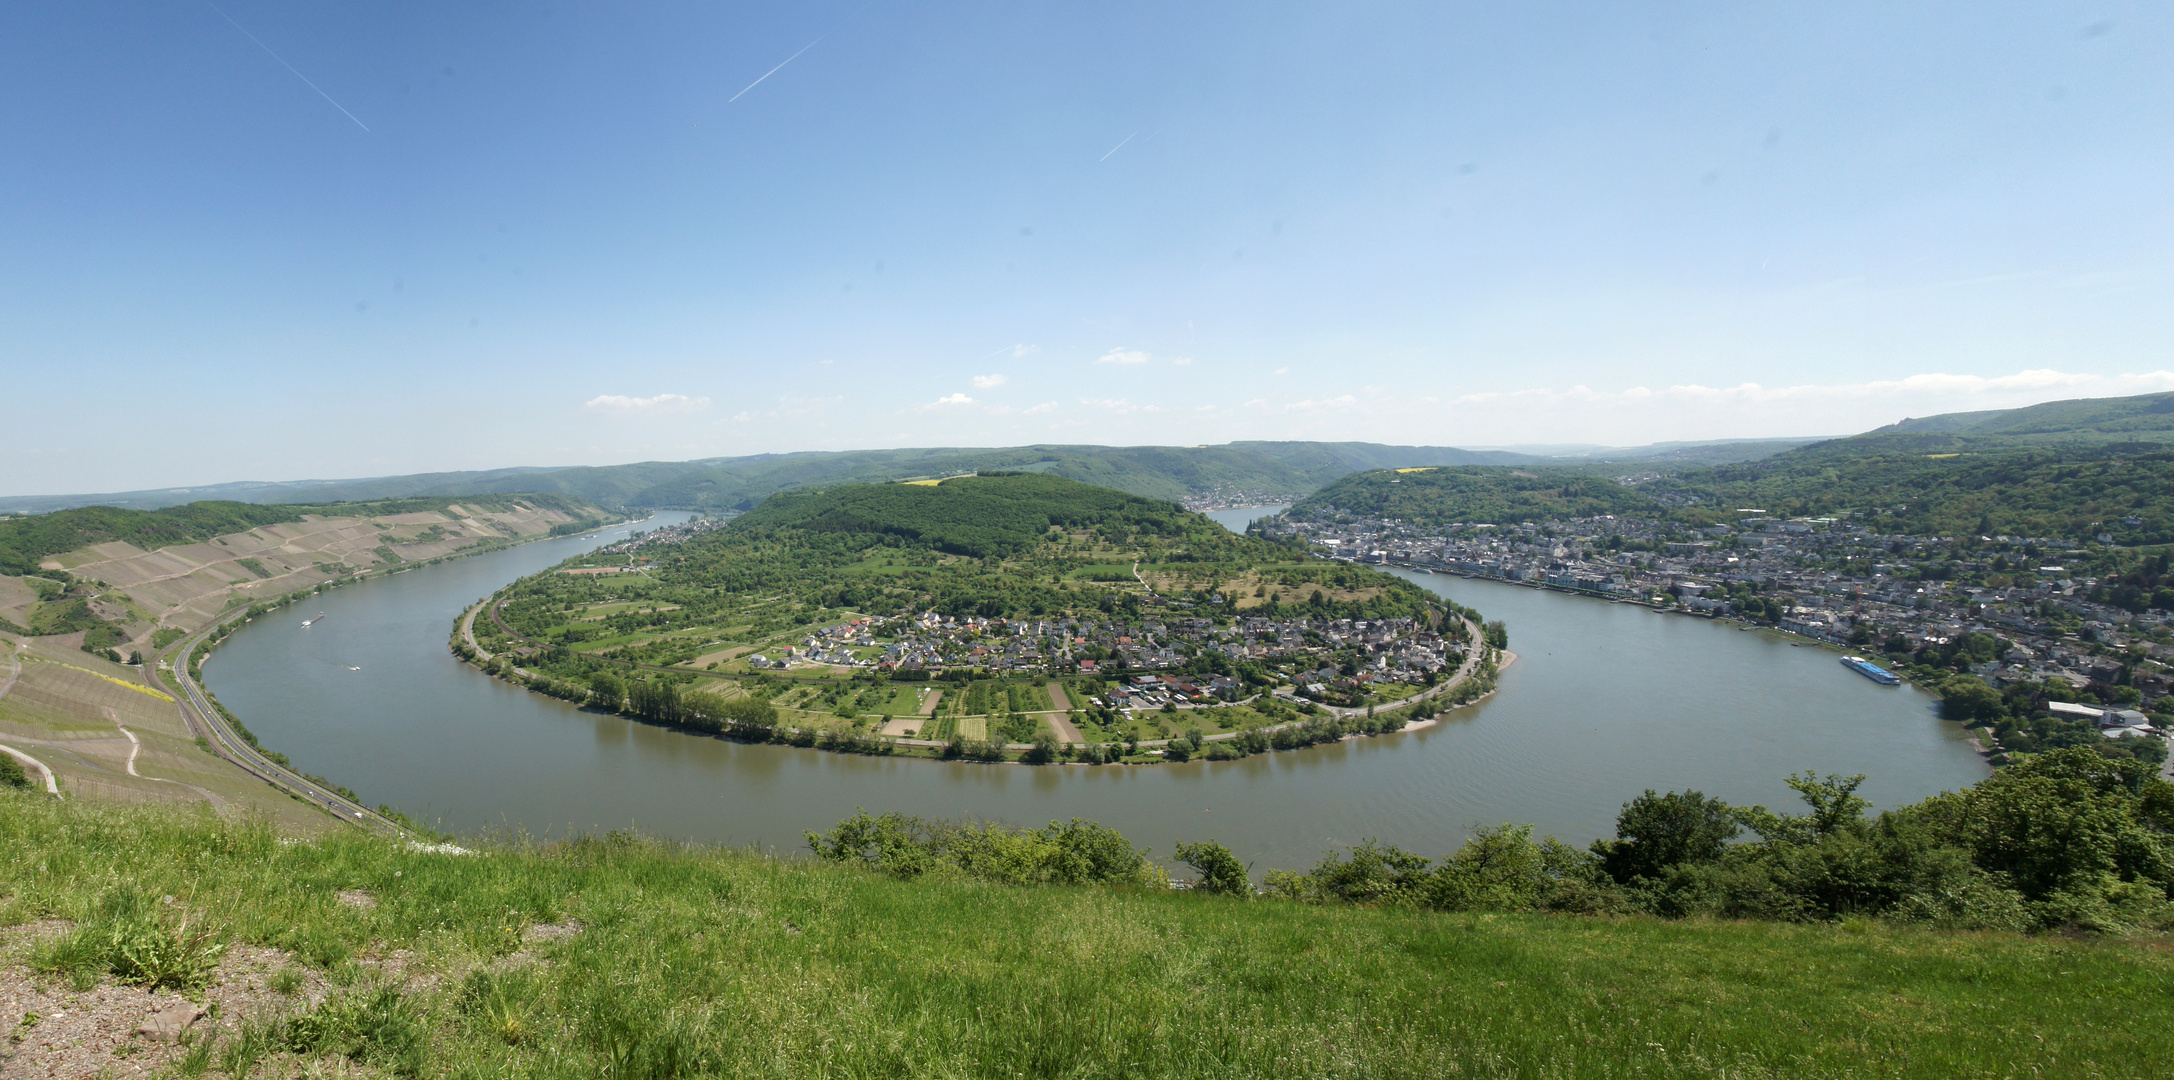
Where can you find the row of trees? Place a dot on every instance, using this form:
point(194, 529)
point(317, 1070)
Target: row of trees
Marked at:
point(2015, 717)
point(1067, 853)
point(2068, 839)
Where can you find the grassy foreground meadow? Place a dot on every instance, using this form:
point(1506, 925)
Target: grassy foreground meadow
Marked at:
point(630, 958)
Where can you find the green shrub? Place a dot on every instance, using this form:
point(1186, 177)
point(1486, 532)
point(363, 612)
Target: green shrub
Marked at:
point(1221, 874)
point(1074, 853)
point(129, 938)
point(376, 1027)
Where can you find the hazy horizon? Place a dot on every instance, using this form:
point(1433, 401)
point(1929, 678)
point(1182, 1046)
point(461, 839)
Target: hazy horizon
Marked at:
point(259, 241)
point(1566, 450)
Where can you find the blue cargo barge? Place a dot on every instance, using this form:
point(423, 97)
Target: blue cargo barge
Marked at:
point(1871, 671)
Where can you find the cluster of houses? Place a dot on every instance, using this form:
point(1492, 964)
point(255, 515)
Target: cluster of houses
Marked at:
point(2112, 723)
point(1155, 691)
point(1831, 580)
point(1326, 654)
point(663, 535)
point(1224, 496)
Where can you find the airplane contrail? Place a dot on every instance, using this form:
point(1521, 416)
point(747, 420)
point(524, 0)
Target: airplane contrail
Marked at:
point(1120, 146)
point(772, 71)
point(282, 63)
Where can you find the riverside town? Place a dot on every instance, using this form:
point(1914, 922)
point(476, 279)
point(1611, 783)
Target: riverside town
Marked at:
point(2005, 609)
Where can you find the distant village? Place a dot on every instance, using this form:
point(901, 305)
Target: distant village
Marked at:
point(665, 535)
point(1331, 660)
point(1822, 578)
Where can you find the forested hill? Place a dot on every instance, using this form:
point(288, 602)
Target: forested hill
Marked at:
point(995, 545)
point(26, 540)
point(1287, 469)
point(1474, 495)
point(993, 515)
point(1889, 484)
point(2123, 419)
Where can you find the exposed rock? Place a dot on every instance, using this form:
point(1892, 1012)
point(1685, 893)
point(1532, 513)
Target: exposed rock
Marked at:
point(167, 1024)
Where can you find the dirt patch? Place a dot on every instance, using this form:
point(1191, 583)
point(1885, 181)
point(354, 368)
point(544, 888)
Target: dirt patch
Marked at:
point(122, 1031)
point(17, 941)
point(550, 931)
point(1061, 725)
point(357, 898)
point(399, 967)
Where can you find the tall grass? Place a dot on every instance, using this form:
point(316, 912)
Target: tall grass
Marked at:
point(704, 962)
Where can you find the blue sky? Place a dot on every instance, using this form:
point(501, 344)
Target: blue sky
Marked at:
point(572, 233)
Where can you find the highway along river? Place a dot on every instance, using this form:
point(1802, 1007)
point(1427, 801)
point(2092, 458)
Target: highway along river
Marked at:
point(1606, 701)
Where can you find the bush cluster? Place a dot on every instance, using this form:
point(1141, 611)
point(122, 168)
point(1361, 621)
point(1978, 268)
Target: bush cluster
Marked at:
point(2068, 839)
point(2071, 838)
point(1060, 853)
point(130, 937)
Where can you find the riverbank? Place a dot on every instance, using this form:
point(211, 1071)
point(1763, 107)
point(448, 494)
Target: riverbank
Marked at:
point(1320, 724)
point(1503, 659)
point(1603, 698)
point(217, 730)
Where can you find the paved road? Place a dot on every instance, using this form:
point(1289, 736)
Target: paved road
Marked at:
point(205, 721)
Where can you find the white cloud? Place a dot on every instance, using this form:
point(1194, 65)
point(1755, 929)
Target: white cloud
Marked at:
point(622, 405)
point(1116, 405)
point(945, 402)
point(987, 382)
point(1181, 361)
point(1047, 406)
point(1283, 371)
point(1122, 355)
point(1022, 351)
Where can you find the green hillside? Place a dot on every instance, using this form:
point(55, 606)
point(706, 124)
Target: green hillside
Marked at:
point(1004, 545)
point(2145, 417)
point(852, 571)
point(1162, 472)
point(990, 515)
point(618, 957)
point(1273, 468)
point(1498, 495)
point(1915, 484)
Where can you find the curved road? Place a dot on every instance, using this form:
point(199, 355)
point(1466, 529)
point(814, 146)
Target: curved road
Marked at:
point(205, 721)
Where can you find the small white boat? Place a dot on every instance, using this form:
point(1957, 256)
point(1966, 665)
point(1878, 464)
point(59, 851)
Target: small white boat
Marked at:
point(307, 623)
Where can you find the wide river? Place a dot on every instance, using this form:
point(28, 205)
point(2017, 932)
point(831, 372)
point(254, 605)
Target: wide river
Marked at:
point(1605, 701)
